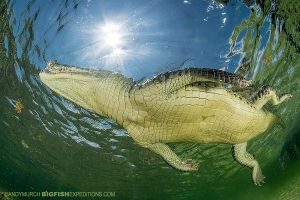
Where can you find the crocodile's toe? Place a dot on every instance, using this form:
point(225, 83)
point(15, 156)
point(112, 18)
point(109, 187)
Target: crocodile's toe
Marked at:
point(191, 165)
point(257, 176)
point(285, 97)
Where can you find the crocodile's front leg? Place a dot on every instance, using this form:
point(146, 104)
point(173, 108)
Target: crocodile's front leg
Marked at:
point(171, 158)
point(242, 156)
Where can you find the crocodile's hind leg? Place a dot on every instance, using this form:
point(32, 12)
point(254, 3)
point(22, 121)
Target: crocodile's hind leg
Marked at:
point(171, 158)
point(266, 94)
point(242, 156)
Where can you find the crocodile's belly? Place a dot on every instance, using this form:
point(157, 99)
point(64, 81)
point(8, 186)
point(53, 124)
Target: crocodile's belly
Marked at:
point(203, 117)
point(207, 129)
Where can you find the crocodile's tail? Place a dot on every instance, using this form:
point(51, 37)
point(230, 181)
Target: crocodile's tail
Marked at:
point(279, 121)
point(277, 118)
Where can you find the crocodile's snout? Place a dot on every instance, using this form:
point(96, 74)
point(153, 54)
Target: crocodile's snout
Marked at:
point(53, 67)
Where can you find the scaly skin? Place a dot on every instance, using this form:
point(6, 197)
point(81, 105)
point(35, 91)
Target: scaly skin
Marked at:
point(186, 105)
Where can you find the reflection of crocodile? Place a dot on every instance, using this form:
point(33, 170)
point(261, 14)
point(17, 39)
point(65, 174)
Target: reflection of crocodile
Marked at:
point(187, 105)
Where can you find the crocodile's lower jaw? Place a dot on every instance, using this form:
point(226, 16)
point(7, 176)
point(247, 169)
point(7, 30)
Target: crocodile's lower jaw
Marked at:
point(70, 82)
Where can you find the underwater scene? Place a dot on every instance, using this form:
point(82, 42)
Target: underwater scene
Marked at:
point(52, 147)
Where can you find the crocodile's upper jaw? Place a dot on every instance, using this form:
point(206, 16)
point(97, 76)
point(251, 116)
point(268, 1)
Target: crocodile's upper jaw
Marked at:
point(54, 68)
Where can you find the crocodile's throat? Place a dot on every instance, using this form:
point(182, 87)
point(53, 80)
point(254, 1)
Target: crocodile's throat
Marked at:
point(101, 91)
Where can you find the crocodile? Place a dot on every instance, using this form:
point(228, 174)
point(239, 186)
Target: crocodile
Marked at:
point(199, 105)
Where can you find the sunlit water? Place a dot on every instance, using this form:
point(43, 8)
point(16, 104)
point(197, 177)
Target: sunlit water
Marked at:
point(49, 144)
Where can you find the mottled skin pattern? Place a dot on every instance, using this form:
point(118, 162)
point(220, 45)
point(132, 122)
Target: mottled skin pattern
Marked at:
point(193, 105)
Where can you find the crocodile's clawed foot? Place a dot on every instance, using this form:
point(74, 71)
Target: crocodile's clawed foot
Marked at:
point(190, 165)
point(266, 94)
point(171, 158)
point(257, 176)
point(285, 97)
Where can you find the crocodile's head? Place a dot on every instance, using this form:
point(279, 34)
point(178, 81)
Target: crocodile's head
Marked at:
point(71, 82)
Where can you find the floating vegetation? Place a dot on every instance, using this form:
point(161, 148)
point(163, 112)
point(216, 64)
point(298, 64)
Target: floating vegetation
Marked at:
point(19, 106)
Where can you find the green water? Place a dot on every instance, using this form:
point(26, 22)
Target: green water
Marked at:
point(53, 145)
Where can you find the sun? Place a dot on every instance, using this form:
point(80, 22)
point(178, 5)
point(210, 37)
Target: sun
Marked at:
point(112, 35)
point(112, 43)
point(115, 44)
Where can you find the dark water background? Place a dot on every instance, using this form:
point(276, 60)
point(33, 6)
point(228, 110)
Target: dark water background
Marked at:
point(53, 145)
